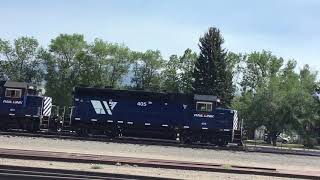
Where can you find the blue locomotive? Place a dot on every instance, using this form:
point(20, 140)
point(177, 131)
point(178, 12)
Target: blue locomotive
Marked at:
point(187, 117)
point(22, 107)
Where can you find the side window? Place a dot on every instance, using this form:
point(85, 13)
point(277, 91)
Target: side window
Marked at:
point(13, 93)
point(204, 106)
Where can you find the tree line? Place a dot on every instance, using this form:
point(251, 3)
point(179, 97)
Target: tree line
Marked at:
point(264, 88)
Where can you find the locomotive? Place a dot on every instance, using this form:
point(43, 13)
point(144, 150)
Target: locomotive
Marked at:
point(188, 118)
point(22, 107)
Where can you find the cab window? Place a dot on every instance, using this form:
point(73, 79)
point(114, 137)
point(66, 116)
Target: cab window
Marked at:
point(13, 93)
point(204, 106)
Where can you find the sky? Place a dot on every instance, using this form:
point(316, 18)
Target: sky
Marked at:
point(288, 28)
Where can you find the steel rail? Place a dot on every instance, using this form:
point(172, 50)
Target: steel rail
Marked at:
point(158, 142)
point(26, 173)
point(154, 163)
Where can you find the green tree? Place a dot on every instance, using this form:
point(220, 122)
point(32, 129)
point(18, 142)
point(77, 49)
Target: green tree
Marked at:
point(63, 67)
point(113, 61)
point(20, 61)
point(211, 75)
point(259, 68)
point(187, 65)
point(146, 70)
point(88, 73)
point(283, 103)
point(170, 74)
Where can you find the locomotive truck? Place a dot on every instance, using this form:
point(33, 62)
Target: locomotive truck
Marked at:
point(188, 118)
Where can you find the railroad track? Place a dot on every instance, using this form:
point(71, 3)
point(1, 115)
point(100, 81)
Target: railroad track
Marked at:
point(154, 163)
point(160, 142)
point(34, 173)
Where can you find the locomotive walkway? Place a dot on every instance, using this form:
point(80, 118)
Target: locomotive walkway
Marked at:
point(154, 163)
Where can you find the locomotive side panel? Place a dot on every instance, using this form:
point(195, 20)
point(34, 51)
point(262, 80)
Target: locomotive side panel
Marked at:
point(134, 112)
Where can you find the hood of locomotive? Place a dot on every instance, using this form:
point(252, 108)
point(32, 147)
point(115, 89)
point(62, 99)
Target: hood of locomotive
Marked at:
point(24, 106)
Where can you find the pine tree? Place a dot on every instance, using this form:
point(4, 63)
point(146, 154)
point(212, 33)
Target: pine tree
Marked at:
point(211, 75)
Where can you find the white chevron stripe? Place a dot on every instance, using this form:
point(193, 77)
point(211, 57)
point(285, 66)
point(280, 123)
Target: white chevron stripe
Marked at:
point(235, 120)
point(97, 107)
point(47, 112)
point(47, 105)
point(106, 105)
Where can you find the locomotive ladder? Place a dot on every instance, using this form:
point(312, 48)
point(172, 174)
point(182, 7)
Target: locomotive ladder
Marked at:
point(44, 123)
point(66, 117)
point(45, 120)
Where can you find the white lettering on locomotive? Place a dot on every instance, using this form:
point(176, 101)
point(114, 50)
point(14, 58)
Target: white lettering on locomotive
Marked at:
point(142, 104)
point(204, 115)
point(11, 102)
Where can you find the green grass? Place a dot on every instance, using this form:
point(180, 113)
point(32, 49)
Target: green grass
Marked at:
point(226, 166)
point(261, 142)
point(96, 167)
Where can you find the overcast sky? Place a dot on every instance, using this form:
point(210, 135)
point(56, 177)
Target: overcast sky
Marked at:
point(288, 28)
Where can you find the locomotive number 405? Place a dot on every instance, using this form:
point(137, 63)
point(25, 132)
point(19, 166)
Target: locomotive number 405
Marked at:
point(141, 103)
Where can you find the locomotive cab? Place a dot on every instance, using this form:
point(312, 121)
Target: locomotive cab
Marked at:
point(20, 105)
point(210, 122)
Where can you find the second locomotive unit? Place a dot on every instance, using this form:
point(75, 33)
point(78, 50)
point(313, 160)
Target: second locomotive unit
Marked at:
point(188, 118)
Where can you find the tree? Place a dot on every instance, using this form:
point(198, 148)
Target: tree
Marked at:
point(20, 61)
point(63, 67)
point(170, 74)
point(281, 100)
point(256, 69)
point(88, 73)
point(146, 70)
point(259, 68)
point(211, 75)
point(187, 65)
point(177, 73)
point(113, 61)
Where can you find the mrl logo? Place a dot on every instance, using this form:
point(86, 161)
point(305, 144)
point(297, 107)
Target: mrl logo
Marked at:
point(101, 108)
point(11, 102)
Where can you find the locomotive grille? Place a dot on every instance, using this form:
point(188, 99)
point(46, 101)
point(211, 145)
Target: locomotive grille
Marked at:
point(47, 105)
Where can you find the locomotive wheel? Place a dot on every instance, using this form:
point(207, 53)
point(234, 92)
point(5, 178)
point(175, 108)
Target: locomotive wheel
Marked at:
point(83, 132)
point(32, 126)
point(222, 143)
point(185, 138)
point(3, 127)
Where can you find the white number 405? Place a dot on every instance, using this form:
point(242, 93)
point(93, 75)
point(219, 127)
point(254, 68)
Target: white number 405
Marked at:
point(142, 103)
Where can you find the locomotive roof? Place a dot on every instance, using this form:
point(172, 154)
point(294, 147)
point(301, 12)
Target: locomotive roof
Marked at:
point(14, 84)
point(99, 91)
point(90, 91)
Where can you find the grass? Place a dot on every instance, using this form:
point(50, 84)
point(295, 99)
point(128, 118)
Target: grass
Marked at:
point(226, 166)
point(279, 144)
point(96, 167)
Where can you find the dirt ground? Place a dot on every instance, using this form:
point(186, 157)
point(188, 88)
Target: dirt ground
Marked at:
point(279, 161)
point(126, 169)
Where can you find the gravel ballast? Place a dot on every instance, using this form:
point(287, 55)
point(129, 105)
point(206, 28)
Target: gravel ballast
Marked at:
point(131, 170)
point(280, 161)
